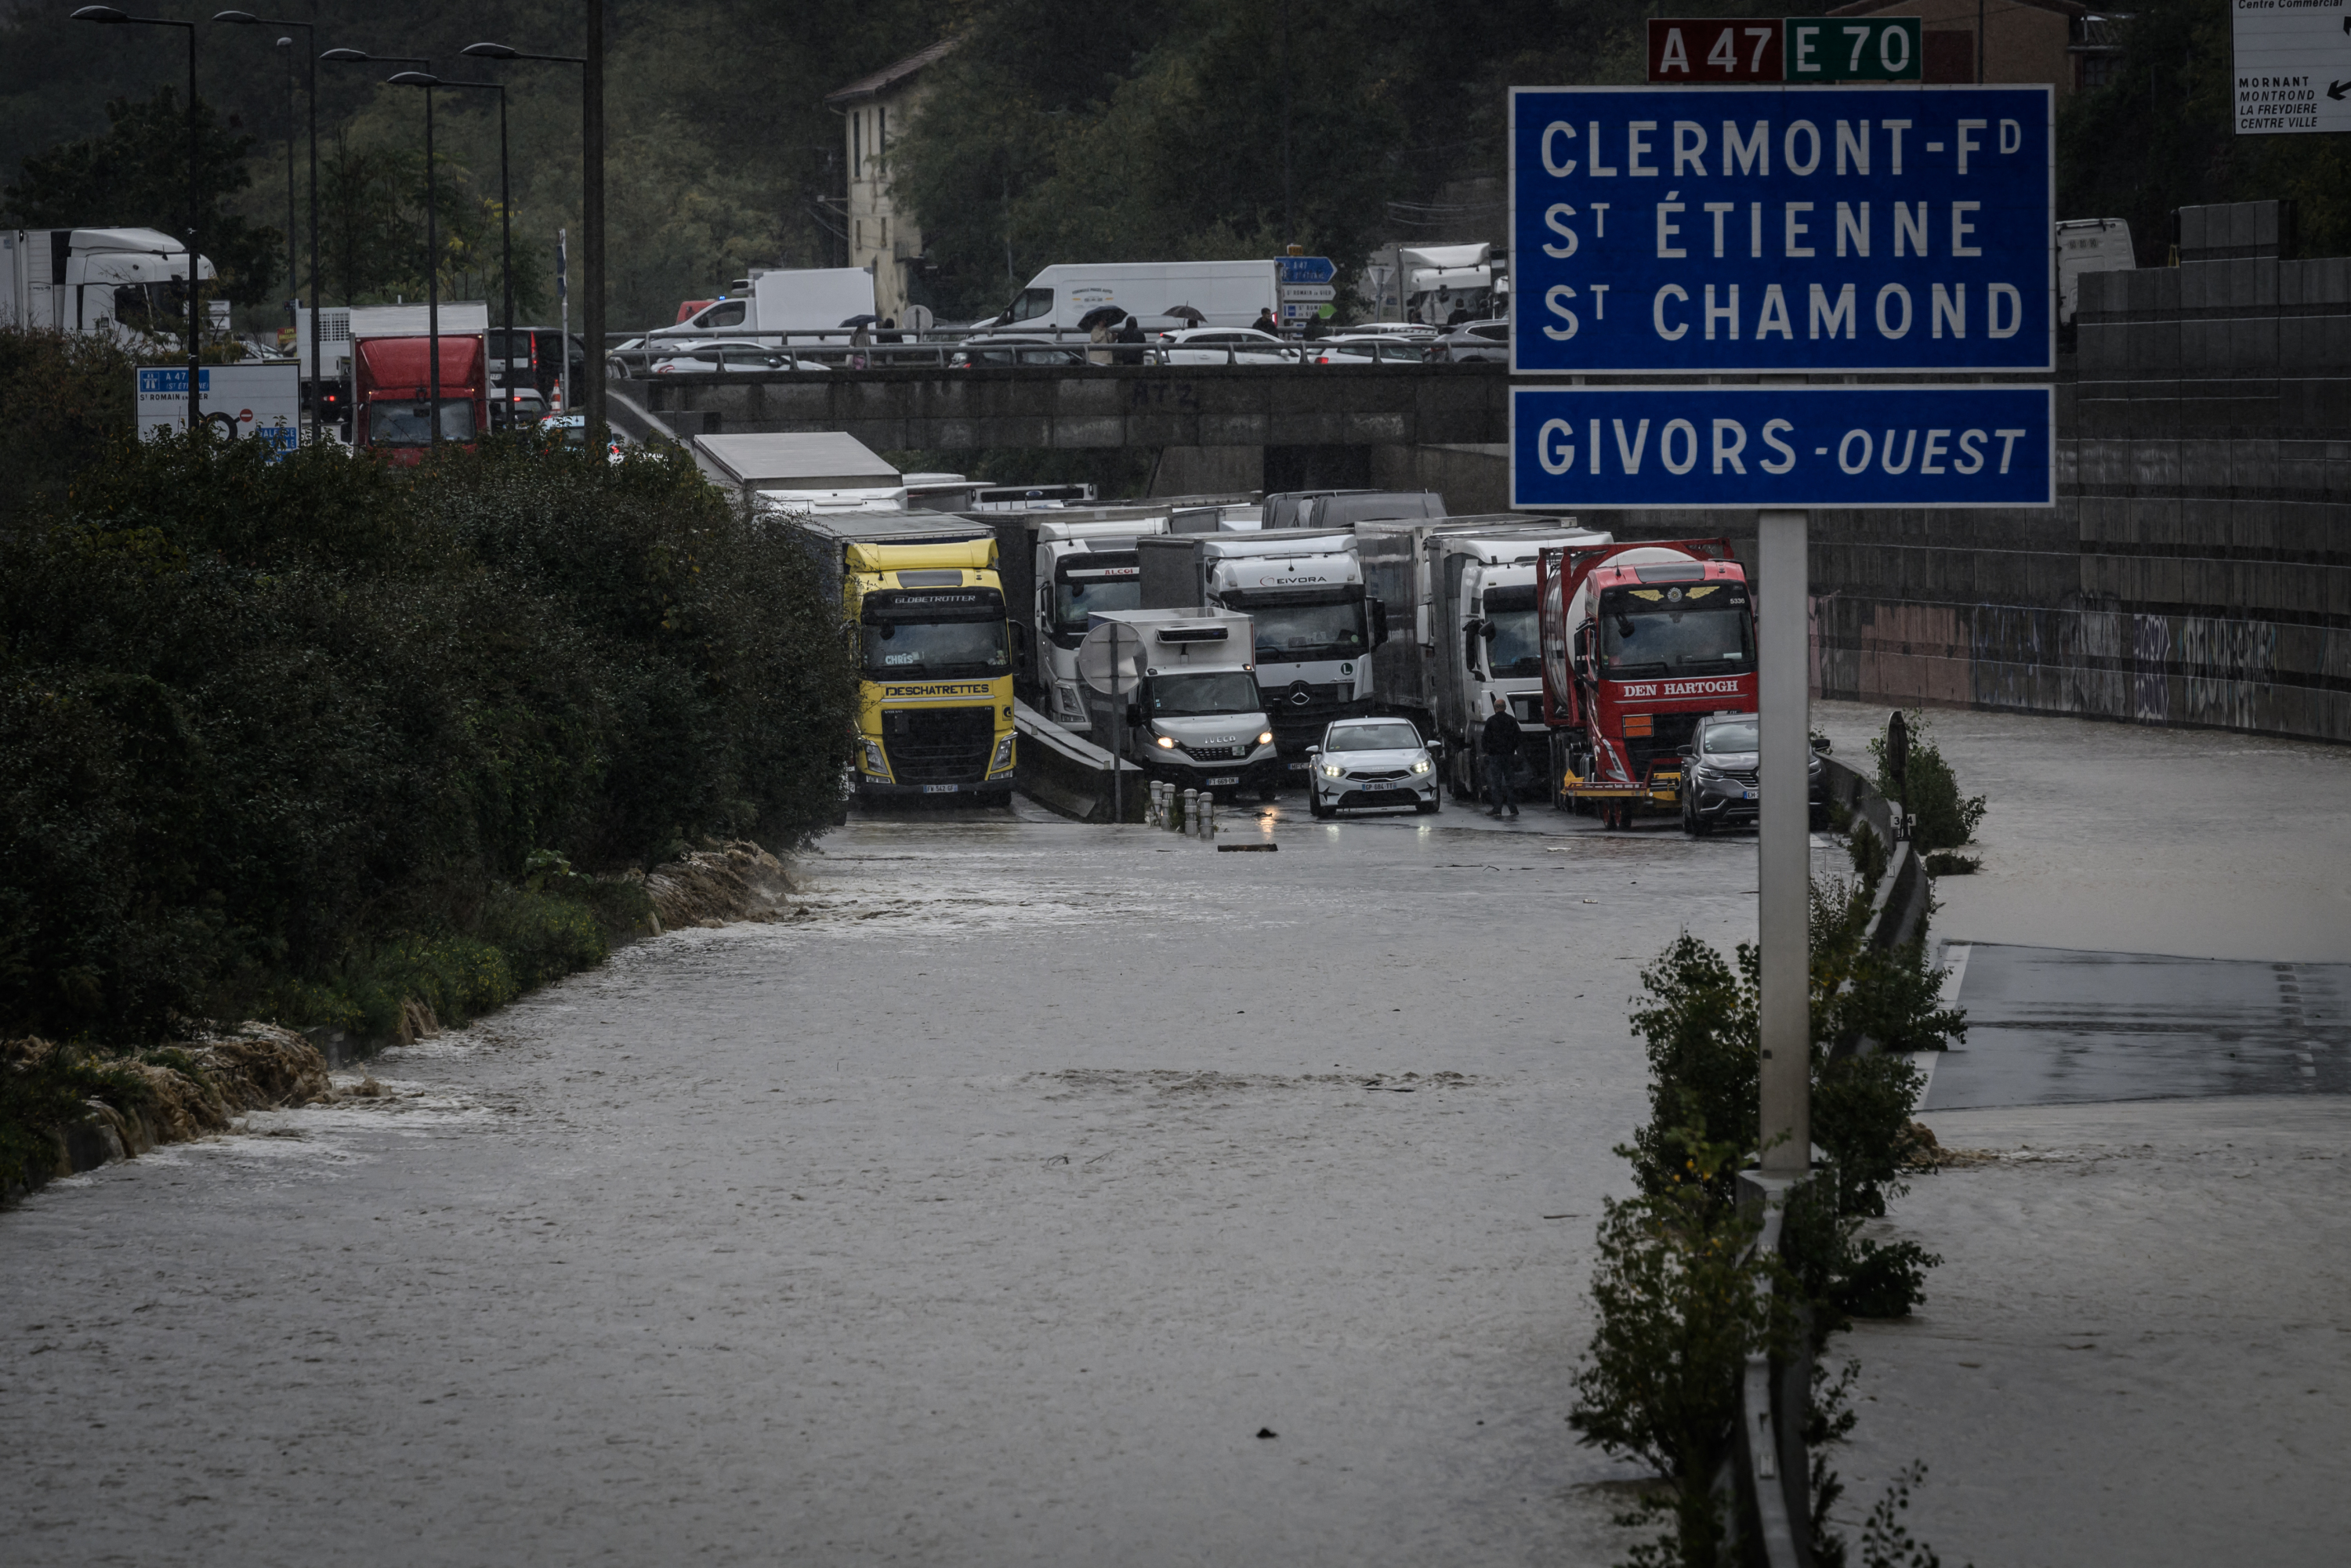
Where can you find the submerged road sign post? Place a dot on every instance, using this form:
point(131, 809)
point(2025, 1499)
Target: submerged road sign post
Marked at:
point(1730, 228)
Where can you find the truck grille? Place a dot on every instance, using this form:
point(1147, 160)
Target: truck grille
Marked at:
point(1669, 734)
point(1216, 753)
point(1298, 723)
point(938, 745)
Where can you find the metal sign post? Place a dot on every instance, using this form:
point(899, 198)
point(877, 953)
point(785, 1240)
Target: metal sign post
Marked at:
point(1727, 228)
point(1104, 665)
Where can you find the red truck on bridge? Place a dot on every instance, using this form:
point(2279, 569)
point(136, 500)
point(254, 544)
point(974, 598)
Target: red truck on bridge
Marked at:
point(391, 393)
point(1639, 642)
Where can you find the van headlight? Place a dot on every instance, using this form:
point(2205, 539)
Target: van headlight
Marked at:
point(1423, 765)
point(1166, 744)
point(1003, 757)
point(1266, 738)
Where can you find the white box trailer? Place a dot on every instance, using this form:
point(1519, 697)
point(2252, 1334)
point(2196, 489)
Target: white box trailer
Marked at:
point(1223, 293)
point(1469, 584)
point(128, 283)
point(813, 472)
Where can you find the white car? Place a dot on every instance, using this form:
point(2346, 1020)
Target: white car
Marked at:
point(721, 356)
point(1371, 765)
point(1221, 345)
point(1474, 343)
point(1366, 349)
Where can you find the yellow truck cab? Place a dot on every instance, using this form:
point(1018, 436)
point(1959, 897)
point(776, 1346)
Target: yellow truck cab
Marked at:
point(923, 608)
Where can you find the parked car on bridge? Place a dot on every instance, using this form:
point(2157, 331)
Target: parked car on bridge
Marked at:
point(1371, 763)
point(1474, 343)
point(1005, 353)
point(1366, 349)
point(1222, 346)
point(721, 356)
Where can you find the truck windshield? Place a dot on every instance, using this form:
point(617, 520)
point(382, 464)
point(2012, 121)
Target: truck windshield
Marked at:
point(1516, 648)
point(402, 424)
point(934, 649)
point(1200, 695)
point(1078, 594)
point(1294, 632)
point(157, 308)
point(1650, 632)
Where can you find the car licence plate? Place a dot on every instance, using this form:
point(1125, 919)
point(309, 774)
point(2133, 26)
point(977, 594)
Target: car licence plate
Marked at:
point(1226, 778)
point(941, 789)
point(1750, 794)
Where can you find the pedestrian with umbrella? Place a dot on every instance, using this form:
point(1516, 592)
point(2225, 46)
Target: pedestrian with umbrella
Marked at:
point(1096, 324)
point(860, 337)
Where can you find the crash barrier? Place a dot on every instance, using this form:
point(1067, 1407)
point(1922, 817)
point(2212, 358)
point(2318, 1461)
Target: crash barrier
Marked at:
point(1899, 911)
point(822, 351)
point(1068, 773)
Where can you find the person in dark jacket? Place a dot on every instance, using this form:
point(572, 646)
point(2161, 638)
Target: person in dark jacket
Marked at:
point(1130, 333)
point(1266, 323)
point(1500, 745)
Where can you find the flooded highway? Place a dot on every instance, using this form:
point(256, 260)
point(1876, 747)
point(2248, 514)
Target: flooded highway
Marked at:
point(1056, 1194)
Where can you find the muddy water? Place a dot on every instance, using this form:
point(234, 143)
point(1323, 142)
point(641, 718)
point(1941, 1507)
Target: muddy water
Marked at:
point(986, 1218)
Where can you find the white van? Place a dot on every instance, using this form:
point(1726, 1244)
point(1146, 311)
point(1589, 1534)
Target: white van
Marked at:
point(2089, 244)
point(1224, 293)
point(787, 299)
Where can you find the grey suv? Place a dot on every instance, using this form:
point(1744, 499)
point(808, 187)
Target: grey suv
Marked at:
point(1719, 767)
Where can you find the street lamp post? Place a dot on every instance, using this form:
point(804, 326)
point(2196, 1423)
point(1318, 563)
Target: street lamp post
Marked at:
point(107, 16)
point(432, 240)
point(428, 81)
point(592, 204)
point(318, 386)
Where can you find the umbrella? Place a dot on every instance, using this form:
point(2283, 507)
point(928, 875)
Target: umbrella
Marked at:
point(1191, 313)
point(860, 320)
point(1101, 316)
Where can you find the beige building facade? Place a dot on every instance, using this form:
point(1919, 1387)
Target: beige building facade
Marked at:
point(874, 110)
point(2056, 41)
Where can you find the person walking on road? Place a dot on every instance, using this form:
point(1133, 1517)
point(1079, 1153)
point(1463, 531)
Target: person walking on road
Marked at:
point(1266, 324)
point(1500, 745)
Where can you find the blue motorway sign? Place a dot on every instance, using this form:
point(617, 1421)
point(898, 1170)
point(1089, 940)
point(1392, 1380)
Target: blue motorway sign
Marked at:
point(1690, 230)
point(1641, 448)
point(1307, 268)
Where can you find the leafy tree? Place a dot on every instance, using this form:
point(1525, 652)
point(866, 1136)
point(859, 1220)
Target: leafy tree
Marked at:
point(134, 174)
point(2161, 134)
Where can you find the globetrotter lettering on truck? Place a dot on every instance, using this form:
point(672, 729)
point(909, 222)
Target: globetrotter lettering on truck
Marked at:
point(1760, 229)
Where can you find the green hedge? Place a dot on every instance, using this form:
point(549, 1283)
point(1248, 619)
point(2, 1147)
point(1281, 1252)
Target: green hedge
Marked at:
point(285, 737)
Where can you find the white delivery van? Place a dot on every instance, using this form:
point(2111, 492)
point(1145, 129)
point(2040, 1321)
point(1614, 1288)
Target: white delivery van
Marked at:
point(1224, 293)
point(1196, 718)
point(787, 299)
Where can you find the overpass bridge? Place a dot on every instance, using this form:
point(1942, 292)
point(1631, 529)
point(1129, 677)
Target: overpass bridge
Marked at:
point(937, 408)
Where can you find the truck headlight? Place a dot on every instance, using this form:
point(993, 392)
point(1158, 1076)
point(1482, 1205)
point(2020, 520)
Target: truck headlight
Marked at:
point(1423, 765)
point(1330, 770)
point(1166, 744)
point(874, 761)
point(1003, 757)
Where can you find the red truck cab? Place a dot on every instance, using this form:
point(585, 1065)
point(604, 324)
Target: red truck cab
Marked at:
point(391, 393)
point(1639, 642)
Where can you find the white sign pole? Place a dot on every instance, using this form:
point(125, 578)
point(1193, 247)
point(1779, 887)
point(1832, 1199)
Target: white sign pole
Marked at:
point(1783, 852)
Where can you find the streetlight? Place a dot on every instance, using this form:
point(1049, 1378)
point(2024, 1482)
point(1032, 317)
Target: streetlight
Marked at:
point(107, 16)
point(431, 239)
point(317, 388)
point(592, 204)
point(428, 81)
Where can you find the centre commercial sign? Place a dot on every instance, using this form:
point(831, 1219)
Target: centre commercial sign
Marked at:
point(1772, 231)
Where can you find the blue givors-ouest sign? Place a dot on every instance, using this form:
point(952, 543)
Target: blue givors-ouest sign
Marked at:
point(1760, 229)
point(1640, 448)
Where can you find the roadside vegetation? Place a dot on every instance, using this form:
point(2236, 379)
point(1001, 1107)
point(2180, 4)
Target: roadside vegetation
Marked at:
point(305, 741)
point(1680, 1285)
point(1943, 820)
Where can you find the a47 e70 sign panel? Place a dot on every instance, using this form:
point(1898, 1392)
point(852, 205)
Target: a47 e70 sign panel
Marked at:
point(1762, 229)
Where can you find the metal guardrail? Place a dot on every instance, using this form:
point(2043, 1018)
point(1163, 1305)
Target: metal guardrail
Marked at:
point(833, 349)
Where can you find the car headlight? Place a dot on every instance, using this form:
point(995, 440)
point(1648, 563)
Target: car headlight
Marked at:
point(1003, 757)
point(1423, 765)
point(1265, 739)
point(1330, 770)
point(1166, 744)
point(874, 761)
point(1702, 771)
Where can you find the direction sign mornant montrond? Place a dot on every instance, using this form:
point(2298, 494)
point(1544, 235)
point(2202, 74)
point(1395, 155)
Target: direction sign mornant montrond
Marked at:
point(2293, 65)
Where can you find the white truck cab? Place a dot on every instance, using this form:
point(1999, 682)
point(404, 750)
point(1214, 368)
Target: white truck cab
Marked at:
point(1196, 718)
point(1316, 626)
point(126, 283)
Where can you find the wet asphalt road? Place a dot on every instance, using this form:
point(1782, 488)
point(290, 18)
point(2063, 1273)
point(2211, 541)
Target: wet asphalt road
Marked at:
point(989, 1213)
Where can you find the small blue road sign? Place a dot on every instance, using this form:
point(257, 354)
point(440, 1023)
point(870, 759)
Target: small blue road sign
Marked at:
point(1645, 448)
point(1755, 229)
point(1306, 268)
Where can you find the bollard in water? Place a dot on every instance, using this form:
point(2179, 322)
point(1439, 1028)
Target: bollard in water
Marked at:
point(1208, 826)
point(1191, 823)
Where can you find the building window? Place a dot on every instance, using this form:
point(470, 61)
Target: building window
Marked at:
point(860, 226)
point(2097, 70)
point(881, 128)
point(856, 146)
